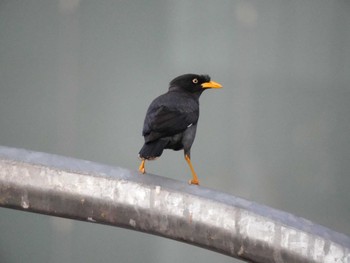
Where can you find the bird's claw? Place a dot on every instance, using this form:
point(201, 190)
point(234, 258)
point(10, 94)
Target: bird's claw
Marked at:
point(195, 182)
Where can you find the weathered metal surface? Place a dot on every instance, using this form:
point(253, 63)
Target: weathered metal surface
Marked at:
point(82, 190)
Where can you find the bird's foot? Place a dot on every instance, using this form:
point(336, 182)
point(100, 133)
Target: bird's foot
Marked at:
point(142, 167)
point(195, 182)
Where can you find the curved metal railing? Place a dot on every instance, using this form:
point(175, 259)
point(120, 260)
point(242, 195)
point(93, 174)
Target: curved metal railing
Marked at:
point(87, 191)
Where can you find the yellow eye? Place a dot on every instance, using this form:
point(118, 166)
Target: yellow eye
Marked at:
point(195, 81)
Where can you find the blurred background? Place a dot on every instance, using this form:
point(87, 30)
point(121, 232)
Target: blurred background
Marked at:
point(77, 76)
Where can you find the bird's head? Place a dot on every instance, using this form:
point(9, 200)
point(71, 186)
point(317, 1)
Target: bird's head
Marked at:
point(193, 83)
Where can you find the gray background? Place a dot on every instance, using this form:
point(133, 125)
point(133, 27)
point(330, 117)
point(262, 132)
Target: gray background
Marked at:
point(76, 78)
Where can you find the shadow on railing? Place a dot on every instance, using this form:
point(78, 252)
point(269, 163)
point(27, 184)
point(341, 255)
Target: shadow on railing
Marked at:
point(87, 191)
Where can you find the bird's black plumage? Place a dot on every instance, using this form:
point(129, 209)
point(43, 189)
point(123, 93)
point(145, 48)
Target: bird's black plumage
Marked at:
point(171, 119)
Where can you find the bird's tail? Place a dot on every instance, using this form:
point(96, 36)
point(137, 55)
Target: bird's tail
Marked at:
point(152, 150)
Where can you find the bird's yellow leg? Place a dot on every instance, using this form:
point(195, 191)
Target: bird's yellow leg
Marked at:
point(194, 175)
point(142, 166)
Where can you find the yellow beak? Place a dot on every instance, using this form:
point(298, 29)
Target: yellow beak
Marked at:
point(211, 85)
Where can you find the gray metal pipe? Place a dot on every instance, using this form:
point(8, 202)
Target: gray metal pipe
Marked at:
point(87, 191)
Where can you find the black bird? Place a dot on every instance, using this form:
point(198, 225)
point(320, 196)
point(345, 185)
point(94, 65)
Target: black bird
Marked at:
point(171, 119)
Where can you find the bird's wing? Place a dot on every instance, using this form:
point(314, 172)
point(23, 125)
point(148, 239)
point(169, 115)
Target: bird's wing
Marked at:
point(162, 121)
